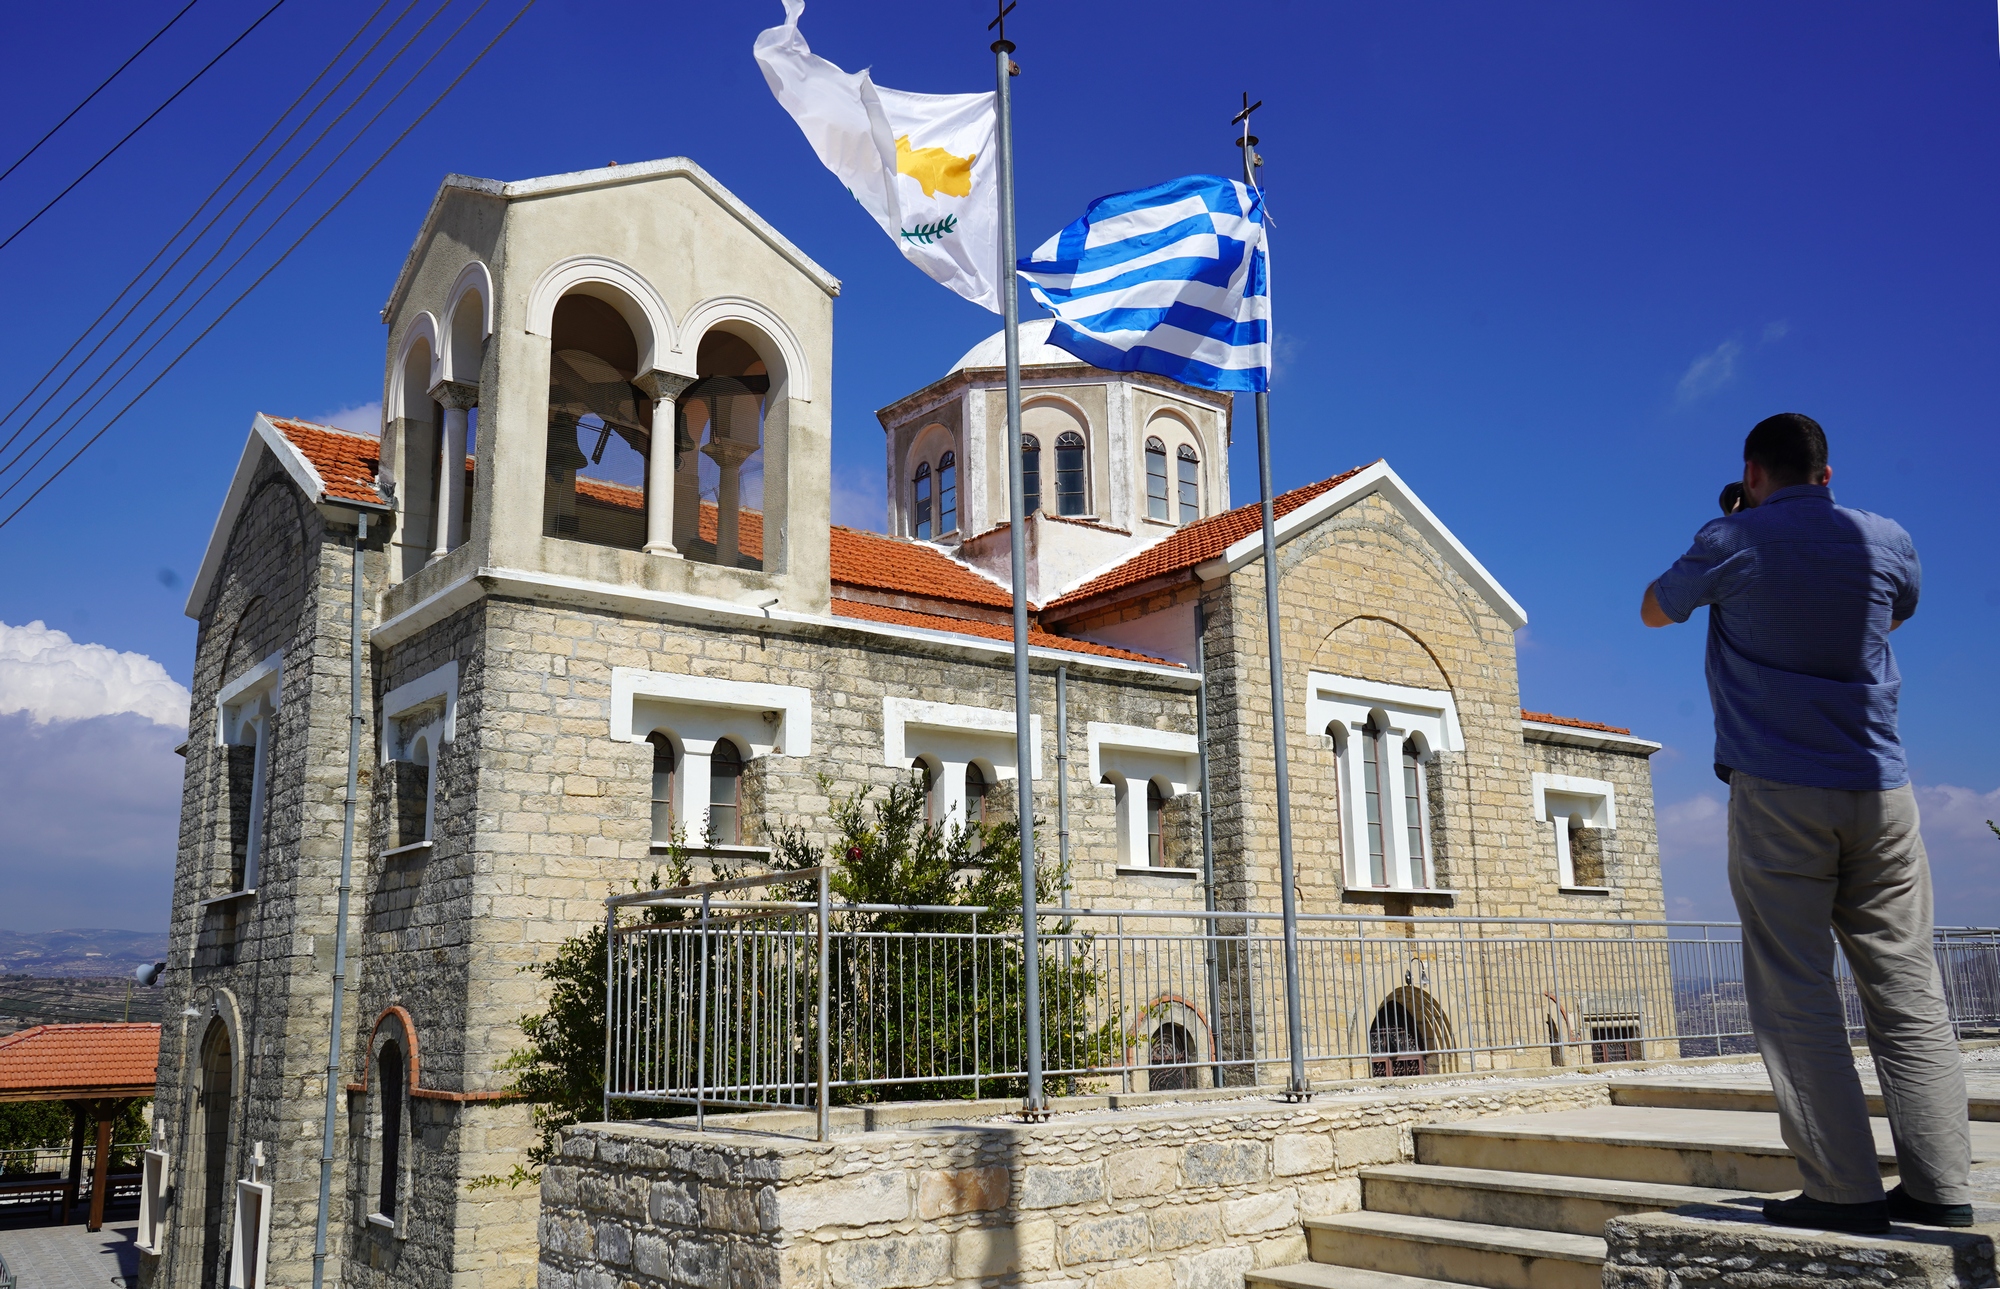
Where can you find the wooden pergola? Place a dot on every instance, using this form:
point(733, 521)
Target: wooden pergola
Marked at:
point(96, 1069)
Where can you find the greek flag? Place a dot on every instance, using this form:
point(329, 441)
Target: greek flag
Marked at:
point(1171, 279)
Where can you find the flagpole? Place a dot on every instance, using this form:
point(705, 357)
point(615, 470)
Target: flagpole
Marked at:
point(1036, 1105)
point(1298, 1089)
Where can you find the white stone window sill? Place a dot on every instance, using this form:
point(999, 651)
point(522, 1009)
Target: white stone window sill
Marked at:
point(385, 1223)
point(214, 900)
point(718, 852)
point(1158, 523)
point(1150, 870)
point(394, 851)
point(1402, 890)
point(1584, 890)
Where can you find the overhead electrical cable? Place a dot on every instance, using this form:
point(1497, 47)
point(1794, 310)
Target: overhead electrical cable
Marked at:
point(274, 265)
point(119, 358)
point(223, 209)
point(142, 125)
point(99, 90)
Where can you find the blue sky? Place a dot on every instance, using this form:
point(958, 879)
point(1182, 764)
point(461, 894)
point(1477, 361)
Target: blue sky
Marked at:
point(1551, 261)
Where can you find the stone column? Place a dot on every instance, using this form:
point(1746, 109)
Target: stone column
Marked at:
point(662, 455)
point(729, 456)
point(455, 397)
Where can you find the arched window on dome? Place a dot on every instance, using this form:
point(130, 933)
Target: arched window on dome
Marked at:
point(1190, 484)
point(1156, 480)
point(1031, 474)
point(947, 494)
point(920, 503)
point(1071, 497)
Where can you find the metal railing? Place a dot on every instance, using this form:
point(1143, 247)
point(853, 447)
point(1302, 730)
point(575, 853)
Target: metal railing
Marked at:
point(723, 996)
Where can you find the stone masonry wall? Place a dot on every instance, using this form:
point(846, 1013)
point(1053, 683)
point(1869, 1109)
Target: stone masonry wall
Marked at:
point(1169, 1197)
point(1631, 851)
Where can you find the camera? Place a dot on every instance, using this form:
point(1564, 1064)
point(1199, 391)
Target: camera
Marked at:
point(1732, 498)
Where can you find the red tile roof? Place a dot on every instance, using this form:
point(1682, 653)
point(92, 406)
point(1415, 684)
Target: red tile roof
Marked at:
point(1545, 719)
point(904, 567)
point(972, 627)
point(346, 462)
point(48, 1062)
point(1197, 543)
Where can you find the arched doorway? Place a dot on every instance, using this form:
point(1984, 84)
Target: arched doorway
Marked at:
point(213, 1104)
point(1409, 1035)
point(1171, 1059)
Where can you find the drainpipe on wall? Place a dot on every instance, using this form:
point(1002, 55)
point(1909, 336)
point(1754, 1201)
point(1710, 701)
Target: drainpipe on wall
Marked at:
point(1207, 836)
point(1062, 779)
point(354, 721)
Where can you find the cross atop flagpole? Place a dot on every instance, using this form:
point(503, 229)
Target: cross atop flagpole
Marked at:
point(1035, 1105)
point(1297, 1089)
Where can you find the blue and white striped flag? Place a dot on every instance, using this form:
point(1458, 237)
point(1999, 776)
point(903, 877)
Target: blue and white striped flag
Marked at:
point(1171, 279)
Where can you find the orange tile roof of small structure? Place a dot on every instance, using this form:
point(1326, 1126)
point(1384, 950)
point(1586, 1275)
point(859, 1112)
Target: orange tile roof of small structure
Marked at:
point(346, 462)
point(1197, 543)
point(1543, 718)
point(53, 1062)
point(895, 564)
point(974, 627)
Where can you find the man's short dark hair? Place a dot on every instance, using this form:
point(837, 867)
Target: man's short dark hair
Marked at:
point(1790, 446)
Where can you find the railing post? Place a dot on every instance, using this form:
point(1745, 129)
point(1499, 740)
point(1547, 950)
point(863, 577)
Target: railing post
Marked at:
point(610, 1012)
point(825, 1112)
point(977, 1020)
point(701, 1026)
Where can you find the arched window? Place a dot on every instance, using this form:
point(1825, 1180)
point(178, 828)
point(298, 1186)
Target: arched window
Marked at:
point(214, 1109)
point(1156, 805)
point(947, 494)
point(725, 795)
point(1371, 798)
point(1070, 498)
point(976, 788)
point(920, 502)
point(1172, 1053)
point(599, 428)
point(1031, 474)
point(389, 1078)
point(1156, 480)
point(664, 765)
point(1190, 484)
point(1416, 804)
point(1398, 1044)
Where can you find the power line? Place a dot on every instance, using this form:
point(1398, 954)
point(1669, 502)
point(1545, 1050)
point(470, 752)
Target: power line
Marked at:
point(108, 390)
point(196, 214)
point(99, 90)
point(283, 256)
point(231, 235)
point(142, 125)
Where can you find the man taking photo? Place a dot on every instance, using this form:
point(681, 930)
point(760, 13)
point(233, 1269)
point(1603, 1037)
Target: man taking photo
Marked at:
point(1802, 595)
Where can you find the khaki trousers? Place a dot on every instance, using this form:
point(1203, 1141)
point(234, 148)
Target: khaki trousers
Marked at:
point(1806, 861)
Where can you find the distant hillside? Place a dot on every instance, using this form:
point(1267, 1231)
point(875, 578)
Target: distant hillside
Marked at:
point(73, 954)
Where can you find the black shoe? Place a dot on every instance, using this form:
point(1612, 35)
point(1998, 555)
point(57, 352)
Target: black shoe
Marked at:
point(1905, 1207)
point(1871, 1218)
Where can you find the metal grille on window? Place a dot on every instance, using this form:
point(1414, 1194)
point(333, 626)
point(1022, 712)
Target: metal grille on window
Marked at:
point(664, 765)
point(1190, 484)
point(1156, 480)
point(1172, 1063)
point(1031, 474)
point(725, 785)
point(1615, 1042)
point(1396, 1044)
point(920, 492)
point(1069, 475)
point(1371, 795)
point(947, 474)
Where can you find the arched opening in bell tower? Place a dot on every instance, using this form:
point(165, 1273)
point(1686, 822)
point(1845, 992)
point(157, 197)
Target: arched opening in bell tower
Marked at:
point(600, 428)
point(719, 455)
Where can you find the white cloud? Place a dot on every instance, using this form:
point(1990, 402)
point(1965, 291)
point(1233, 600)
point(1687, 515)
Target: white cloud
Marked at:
point(51, 677)
point(1776, 331)
point(363, 418)
point(1711, 371)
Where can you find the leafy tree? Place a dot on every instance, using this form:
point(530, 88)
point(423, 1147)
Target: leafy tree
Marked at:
point(46, 1125)
point(883, 852)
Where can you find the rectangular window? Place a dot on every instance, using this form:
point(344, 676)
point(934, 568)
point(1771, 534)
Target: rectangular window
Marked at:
point(1031, 475)
point(1371, 794)
point(1618, 1041)
point(1190, 486)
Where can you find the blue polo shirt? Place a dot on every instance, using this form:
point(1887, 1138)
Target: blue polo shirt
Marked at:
point(1801, 593)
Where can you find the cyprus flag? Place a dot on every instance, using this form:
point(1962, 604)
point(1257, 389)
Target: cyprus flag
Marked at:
point(921, 164)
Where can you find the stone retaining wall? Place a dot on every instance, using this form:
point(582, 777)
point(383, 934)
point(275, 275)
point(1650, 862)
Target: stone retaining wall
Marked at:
point(1186, 1196)
point(1687, 1251)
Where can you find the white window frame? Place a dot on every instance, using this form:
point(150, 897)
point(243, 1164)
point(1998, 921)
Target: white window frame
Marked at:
point(1428, 717)
point(1132, 756)
point(1561, 797)
point(250, 1241)
point(244, 709)
point(152, 1201)
point(697, 712)
point(423, 711)
point(953, 736)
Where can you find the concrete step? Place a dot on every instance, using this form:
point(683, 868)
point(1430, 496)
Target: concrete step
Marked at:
point(1465, 1253)
point(1717, 1149)
point(1319, 1275)
point(1668, 1094)
point(1537, 1201)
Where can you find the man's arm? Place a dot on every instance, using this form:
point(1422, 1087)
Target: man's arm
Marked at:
point(1653, 615)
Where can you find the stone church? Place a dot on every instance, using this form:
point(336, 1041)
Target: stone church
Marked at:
point(604, 604)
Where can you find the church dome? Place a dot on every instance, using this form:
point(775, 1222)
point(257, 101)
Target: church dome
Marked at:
point(1036, 351)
